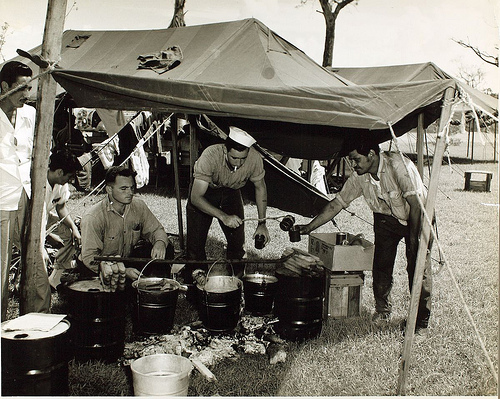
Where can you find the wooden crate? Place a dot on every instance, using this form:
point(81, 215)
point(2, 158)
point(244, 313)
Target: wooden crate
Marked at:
point(481, 181)
point(343, 295)
point(341, 258)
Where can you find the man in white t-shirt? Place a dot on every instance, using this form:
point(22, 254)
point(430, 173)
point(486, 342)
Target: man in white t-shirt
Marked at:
point(61, 227)
point(17, 126)
point(62, 168)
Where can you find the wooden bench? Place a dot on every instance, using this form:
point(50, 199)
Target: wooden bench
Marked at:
point(478, 185)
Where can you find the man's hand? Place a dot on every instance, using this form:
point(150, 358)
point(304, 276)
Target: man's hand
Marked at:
point(159, 250)
point(132, 273)
point(262, 230)
point(55, 240)
point(77, 238)
point(304, 228)
point(231, 221)
point(112, 276)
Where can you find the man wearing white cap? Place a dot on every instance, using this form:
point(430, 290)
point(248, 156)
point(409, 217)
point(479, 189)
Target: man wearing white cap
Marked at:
point(219, 174)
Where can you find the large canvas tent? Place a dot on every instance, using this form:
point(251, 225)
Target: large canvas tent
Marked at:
point(244, 74)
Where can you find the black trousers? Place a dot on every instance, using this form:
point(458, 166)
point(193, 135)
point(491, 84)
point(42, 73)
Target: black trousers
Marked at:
point(198, 225)
point(388, 234)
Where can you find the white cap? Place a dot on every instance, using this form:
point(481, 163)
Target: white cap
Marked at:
point(240, 136)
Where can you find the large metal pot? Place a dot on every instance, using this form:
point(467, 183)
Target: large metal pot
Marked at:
point(259, 291)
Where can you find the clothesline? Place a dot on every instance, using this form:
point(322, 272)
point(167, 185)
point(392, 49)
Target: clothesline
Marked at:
point(141, 143)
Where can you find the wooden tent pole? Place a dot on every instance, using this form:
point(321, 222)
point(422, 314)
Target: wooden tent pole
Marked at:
point(468, 139)
point(175, 158)
point(420, 144)
point(472, 145)
point(193, 147)
point(424, 240)
point(33, 236)
point(495, 142)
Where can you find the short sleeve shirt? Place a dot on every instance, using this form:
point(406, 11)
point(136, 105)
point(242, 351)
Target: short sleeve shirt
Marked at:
point(57, 195)
point(16, 145)
point(212, 167)
point(388, 194)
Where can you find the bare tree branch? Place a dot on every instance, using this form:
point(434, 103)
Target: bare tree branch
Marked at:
point(490, 59)
point(3, 33)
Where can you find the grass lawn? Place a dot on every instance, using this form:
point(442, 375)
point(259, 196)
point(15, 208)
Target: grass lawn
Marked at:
point(352, 357)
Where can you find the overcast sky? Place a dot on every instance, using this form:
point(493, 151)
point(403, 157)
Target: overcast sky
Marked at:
point(369, 33)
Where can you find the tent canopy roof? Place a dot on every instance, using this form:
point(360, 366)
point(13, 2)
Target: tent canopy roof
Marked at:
point(244, 74)
point(411, 73)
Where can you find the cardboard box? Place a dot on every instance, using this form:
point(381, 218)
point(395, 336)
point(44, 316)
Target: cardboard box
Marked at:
point(343, 297)
point(341, 257)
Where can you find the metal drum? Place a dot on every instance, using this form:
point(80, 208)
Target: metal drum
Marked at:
point(299, 305)
point(35, 363)
point(97, 320)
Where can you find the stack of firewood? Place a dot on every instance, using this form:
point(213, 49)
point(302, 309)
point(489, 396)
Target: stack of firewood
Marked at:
point(302, 263)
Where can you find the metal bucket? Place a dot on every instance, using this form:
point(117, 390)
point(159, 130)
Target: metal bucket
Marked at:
point(259, 291)
point(299, 305)
point(155, 306)
point(220, 302)
point(35, 363)
point(161, 375)
point(97, 320)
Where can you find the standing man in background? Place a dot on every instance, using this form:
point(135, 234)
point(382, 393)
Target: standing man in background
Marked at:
point(219, 174)
point(390, 189)
point(17, 126)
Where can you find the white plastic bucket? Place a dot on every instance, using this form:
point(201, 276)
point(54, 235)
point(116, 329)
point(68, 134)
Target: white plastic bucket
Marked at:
point(161, 375)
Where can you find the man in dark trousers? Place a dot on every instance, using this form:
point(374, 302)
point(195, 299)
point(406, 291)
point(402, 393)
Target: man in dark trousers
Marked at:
point(219, 174)
point(390, 189)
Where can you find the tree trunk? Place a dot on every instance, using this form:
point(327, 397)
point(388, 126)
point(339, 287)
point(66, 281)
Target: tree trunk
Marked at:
point(178, 18)
point(34, 236)
point(329, 43)
point(330, 16)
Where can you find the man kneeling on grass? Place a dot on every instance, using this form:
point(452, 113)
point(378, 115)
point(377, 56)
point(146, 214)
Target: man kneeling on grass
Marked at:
point(390, 189)
point(114, 226)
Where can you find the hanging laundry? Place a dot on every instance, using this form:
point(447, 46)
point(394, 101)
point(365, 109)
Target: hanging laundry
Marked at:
point(140, 164)
point(107, 150)
point(318, 177)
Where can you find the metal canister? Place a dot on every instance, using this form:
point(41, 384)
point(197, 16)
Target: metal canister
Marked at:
point(259, 241)
point(341, 239)
point(287, 223)
point(294, 234)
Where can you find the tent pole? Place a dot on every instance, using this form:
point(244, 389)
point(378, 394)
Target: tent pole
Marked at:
point(472, 146)
point(420, 144)
point(424, 240)
point(33, 234)
point(175, 157)
point(193, 147)
point(468, 138)
point(495, 142)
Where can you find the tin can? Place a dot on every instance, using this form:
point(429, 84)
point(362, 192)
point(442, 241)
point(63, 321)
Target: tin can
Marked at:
point(341, 239)
point(294, 234)
point(259, 241)
point(287, 223)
